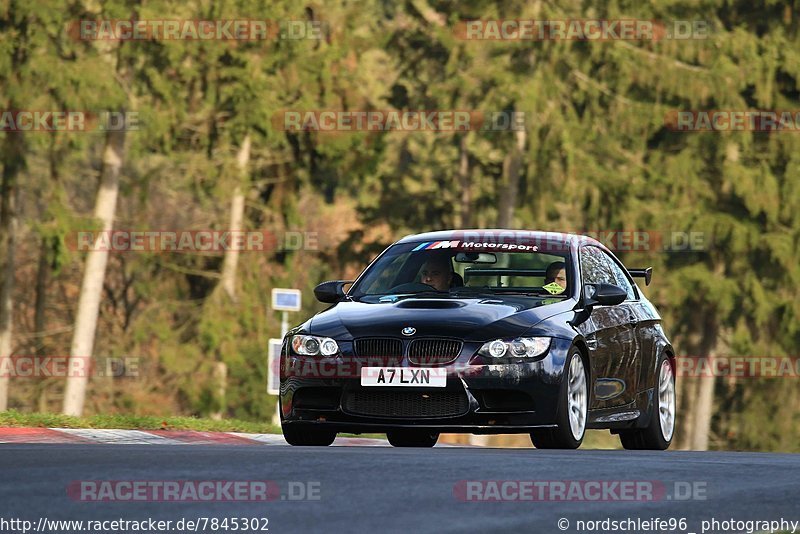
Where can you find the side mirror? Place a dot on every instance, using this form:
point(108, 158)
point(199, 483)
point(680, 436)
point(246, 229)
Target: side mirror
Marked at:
point(332, 291)
point(603, 294)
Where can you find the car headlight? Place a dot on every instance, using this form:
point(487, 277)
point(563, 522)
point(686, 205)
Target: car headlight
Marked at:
point(314, 346)
point(521, 347)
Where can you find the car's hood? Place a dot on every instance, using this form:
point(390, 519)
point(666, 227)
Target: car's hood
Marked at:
point(477, 319)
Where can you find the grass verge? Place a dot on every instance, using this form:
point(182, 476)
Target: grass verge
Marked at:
point(13, 418)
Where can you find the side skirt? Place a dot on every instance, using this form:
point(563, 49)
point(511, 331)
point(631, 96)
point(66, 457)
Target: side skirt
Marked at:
point(633, 415)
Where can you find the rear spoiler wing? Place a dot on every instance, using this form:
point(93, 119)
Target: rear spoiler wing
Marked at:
point(647, 274)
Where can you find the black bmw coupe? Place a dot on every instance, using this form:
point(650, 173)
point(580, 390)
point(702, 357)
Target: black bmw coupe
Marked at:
point(483, 332)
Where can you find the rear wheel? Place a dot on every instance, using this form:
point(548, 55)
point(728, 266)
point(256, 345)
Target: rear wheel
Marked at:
point(317, 437)
point(412, 438)
point(573, 409)
point(657, 435)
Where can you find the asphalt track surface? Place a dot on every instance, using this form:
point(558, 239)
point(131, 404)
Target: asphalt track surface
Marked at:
point(382, 489)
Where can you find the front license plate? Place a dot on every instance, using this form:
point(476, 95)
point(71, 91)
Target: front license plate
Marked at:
point(403, 376)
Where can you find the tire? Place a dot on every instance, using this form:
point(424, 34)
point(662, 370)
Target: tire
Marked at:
point(658, 433)
point(305, 436)
point(573, 408)
point(412, 438)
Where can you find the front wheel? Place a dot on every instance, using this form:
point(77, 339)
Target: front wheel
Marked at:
point(412, 438)
point(300, 436)
point(657, 435)
point(573, 409)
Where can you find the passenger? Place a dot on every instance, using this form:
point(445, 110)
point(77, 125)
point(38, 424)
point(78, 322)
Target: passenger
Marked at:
point(556, 273)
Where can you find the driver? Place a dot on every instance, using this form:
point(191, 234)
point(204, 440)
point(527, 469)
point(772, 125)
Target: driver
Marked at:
point(437, 273)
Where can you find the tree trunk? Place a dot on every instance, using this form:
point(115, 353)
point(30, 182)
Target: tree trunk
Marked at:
point(512, 167)
point(228, 277)
point(94, 274)
point(42, 276)
point(712, 341)
point(702, 410)
point(705, 341)
point(687, 399)
point(465, 213)
point(8, 245)
point(13, 163)
point(221, 378)
point(229, 264)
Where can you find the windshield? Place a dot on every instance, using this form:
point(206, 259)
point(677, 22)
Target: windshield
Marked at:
point(405, 269)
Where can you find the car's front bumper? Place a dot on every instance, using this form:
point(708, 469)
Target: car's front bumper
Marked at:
point(480, 399)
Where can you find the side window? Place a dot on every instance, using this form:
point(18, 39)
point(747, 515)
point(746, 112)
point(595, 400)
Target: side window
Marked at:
point(595, 268)
point(622, 278)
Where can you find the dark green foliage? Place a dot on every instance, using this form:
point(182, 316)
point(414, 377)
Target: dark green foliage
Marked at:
point(597, 157)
